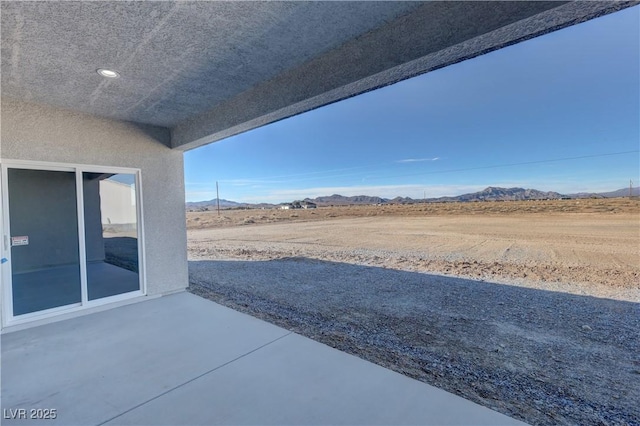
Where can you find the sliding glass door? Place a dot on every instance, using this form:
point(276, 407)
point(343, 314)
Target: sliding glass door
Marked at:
point(45, 250)
point(72, 238)
point(111, 234)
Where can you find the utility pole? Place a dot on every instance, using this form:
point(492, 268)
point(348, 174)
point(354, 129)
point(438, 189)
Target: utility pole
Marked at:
point(218, 197)
point(630, 188)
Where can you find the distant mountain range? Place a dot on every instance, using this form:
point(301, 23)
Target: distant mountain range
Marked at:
point(224, 204)
point(623, 192)
point(488, 194)
point(503, 194)
point(339, 200)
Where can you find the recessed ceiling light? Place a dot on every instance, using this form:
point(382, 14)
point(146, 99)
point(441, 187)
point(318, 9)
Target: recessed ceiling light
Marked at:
point(108, 73)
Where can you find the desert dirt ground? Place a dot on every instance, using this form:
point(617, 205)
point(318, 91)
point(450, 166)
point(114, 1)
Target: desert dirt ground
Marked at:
point(530, 308)
point(589, 247)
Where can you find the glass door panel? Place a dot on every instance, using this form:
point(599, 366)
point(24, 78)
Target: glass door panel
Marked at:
point(111, 234)
point(45, 261)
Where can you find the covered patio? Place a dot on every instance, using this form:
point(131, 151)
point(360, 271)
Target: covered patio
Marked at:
point(95, 90)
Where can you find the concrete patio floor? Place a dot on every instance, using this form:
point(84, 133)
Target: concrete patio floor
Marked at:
point(183, 360)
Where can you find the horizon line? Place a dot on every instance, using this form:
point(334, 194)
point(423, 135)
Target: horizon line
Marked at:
point(633, 188)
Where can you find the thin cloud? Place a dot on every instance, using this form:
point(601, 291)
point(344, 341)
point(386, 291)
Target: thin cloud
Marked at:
point(417, 160)
point(199, 195)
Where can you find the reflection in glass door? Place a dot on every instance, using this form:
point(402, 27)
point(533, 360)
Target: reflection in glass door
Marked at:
point(111, 234)
point(71, 238)
point(45, 261)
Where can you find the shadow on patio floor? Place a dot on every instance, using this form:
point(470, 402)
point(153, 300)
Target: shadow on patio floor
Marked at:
point(543, 357)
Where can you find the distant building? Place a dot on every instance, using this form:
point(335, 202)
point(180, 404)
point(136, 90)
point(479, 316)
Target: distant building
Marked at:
point(298, 205)
point(308, 205)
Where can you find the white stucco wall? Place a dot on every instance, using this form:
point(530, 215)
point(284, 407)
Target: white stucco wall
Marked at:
point(118, 203)
point(41, 133)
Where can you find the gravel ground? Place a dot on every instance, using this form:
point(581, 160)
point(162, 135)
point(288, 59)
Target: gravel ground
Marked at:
point(544, 357)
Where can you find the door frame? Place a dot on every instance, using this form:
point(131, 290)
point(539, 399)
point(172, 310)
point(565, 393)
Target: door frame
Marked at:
point(6, 290)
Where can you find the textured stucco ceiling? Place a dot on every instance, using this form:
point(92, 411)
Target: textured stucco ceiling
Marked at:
point(175, 59)
point(208, 69)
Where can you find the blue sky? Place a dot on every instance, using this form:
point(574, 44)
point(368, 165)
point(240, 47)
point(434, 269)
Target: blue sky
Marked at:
point(550, 113)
